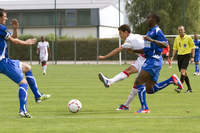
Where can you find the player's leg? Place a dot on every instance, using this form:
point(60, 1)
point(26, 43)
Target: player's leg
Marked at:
point(187, 81)
point(12, 69)
point(183, 62)
point(138, 64)
point(196, 68)
point(23, 96)
point(32, 83)
point(121, 76)
point(139, 84)
point(44, 67)
point(196, 60)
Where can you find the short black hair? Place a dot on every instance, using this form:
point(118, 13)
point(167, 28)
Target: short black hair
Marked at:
point(156, 17)
point(1, 12)
point(124, 28)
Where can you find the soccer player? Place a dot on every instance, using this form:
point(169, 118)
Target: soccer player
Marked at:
point(131, 41)
point(197, 54)
point(154, 42)
point(185, 46)
point(14, 69)
point(165, 55)
point(43, 49)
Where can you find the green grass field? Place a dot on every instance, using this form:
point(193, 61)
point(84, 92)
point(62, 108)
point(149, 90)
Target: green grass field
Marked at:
point(170, 112)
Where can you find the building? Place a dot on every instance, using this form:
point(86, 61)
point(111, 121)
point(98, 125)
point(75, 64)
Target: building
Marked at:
point(74, 18)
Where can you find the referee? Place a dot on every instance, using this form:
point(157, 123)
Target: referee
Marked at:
point(184, 45)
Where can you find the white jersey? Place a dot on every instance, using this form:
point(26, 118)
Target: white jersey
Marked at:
point(43, 47)
point(134, 41)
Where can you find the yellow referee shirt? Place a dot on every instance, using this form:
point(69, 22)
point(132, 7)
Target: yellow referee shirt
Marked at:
point(183, 45)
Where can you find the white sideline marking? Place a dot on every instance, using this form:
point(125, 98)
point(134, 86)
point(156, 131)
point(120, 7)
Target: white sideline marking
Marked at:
point(117, 117)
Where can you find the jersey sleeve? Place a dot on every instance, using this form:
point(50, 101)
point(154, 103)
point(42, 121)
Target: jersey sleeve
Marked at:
point(175, 45)
point(4, 32)
point(47, 44)
point(191, 43)
point(127, 44)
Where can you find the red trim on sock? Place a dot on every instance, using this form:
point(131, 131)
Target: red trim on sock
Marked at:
point(126, 73)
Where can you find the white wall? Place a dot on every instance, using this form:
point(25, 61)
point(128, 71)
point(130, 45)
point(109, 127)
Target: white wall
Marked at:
point(108, 32)
point(109, 16)
point(77, 32)
point(80, 32)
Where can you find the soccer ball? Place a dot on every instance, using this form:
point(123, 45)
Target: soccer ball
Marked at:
point(74, 105)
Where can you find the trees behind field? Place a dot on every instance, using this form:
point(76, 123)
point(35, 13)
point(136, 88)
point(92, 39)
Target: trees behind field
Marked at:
point(172, 13)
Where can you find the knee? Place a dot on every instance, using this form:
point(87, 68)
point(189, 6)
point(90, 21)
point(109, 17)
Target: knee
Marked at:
point(27, 68)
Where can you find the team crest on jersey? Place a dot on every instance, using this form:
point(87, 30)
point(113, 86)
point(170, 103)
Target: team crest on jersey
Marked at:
point(185, 45)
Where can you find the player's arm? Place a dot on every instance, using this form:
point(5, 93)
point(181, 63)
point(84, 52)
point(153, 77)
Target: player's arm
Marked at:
point(113, 52)
point(14, 25)
point(21, 42)
point(37, 51)
point(173, 54)
point(159, 43)
point(140, 51)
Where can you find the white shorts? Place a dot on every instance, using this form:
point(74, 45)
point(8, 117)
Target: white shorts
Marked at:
point(43, 58)
point(138, 63)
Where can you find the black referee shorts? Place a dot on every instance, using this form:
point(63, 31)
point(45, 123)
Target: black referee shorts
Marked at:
point(183, 61)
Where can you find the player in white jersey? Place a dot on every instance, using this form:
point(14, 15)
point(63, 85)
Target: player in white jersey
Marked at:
point(43, 49)
point(131, 42)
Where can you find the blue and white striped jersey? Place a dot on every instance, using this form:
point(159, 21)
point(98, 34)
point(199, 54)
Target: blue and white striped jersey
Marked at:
point(4, 35)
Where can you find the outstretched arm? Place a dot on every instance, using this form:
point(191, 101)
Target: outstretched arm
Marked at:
point(113, 52)
point(21, 42)
point(159, 43)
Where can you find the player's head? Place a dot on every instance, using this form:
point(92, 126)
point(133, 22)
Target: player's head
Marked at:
point(3, 16)
point(195, 36)
point(181, 30)
point(42, 38)
point(124, 31)
point(152, 19)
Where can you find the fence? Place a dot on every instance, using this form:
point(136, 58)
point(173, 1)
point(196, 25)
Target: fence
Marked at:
point(76, 50)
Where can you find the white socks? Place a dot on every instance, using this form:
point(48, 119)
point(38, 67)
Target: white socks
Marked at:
point(44, 68)
point(131, 96)
point(118, 77)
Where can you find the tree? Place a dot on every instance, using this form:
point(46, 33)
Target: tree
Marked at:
point(172, 12)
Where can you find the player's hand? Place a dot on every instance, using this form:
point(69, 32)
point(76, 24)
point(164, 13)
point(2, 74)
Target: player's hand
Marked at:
point(14, 23)
point(31, 41)
point(192, 60)
point(101, 57)
point(148, 38)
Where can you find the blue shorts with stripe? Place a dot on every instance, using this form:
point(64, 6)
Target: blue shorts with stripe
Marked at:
point(12, 69)
point(153, 67)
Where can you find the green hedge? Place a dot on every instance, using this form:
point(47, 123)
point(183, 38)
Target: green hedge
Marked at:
point(86, 49)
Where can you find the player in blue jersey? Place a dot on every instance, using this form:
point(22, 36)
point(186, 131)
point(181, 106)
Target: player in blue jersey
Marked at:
point(148, 76)
point(197, 54)
point(14, 69)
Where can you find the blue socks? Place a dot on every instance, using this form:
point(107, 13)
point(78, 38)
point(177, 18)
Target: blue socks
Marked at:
point(142, 95)
point(32, 84)
point(196, 67)
point(23, 96)
point(163, 84)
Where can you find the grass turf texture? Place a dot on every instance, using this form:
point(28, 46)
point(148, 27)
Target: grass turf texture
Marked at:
point(170, 112)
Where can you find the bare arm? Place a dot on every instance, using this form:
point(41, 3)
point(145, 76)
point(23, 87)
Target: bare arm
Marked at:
point(113, 52)
point(21, 42)
point(37, 51)
point(193, 54)
point(173, 54)
point(159, 43)
point(14, 25)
